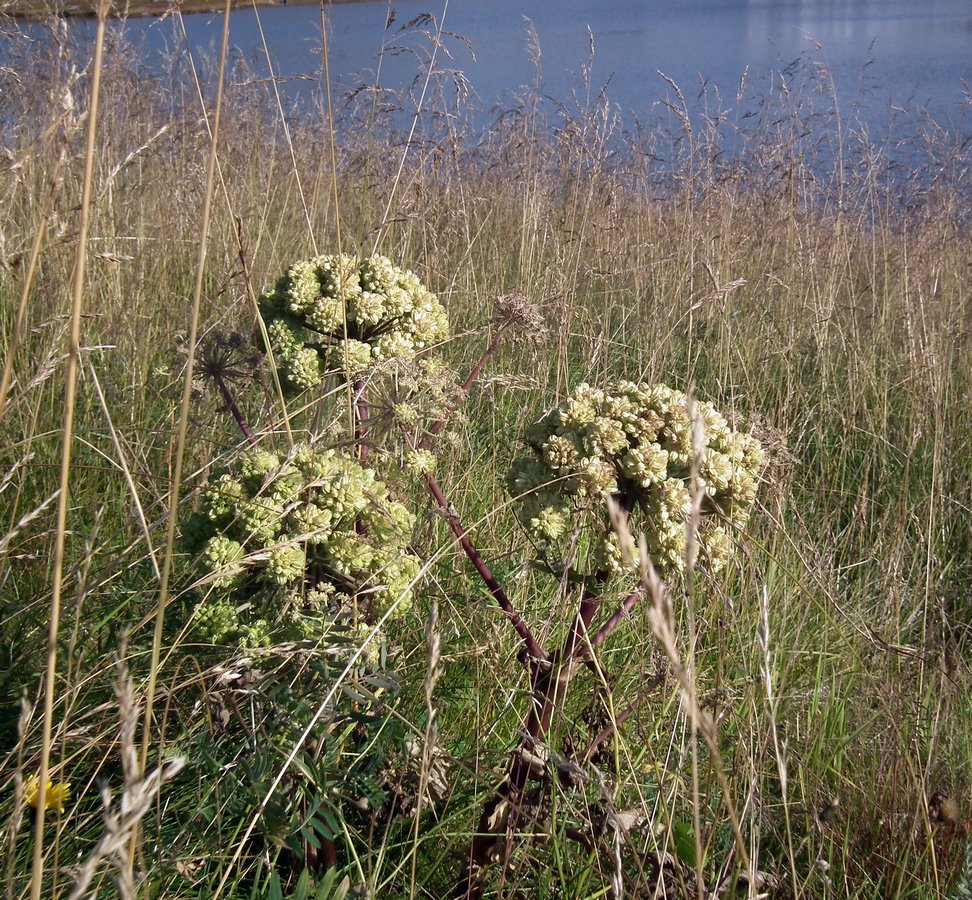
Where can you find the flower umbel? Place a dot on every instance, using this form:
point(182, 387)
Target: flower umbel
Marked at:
point(653, 450)
point(347, 314)
point(276, 530)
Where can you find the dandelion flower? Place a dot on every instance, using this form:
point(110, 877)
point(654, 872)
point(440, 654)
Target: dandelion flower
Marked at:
point(55, 797)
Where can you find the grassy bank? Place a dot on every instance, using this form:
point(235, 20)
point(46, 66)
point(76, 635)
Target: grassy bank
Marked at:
point(825, 305)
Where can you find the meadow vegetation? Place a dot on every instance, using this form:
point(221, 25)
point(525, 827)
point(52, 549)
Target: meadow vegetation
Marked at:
point(796, 721)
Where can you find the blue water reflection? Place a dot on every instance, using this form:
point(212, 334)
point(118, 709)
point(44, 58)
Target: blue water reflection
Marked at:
point(873, 56)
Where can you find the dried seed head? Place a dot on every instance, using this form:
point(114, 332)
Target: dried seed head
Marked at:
point(520, 316)
point(228, 357)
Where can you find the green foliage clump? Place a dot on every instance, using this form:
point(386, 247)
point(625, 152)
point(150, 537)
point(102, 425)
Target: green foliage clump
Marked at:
point(345, 314)
point(647, 446)
point(295, 541)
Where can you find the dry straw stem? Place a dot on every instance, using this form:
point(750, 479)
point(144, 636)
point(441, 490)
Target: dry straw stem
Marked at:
point(14, 822)
point(121, 821)
point(67, 124)
point(662, 621)
point(357, 396)
point(123, 464)
point(186, 400)
point(332, 138)
point(67, 436)
point(763, 636)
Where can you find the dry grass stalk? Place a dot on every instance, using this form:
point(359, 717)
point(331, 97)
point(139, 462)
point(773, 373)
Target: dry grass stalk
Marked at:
point(662, 621)
point(67, 439)
point(122, 820)
point(183, 422)
point(66, 125)
point(763, 637)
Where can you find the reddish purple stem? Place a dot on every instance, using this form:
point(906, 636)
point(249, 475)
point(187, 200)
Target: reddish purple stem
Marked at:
point(533, 648)
point(477, 370)
point(230, 404)
point(616, 618)
point(522, 629)
point(361, 420)
point(605, 734)
point(549, 689)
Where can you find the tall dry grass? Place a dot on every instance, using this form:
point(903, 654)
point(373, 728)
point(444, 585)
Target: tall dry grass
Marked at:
point(801, 281)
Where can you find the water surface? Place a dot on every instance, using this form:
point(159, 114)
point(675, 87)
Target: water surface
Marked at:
point(869, 59)
point(880, 51)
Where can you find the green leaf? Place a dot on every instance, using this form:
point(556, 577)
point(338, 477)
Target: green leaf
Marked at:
point(274, 889)
point(329, 827)
point(683, 841)
point(308, 835)
point(302, 890)
point(328, 890)
point(326, 885)
point(313, 805)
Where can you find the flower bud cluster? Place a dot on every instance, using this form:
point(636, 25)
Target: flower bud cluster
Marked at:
point(649, 447)
point(273, 532)
point(347, 314)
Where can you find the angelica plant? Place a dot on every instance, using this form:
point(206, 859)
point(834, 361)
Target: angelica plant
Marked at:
point(314, 537)
point(607, 464)
point(638, 444)
point(357, 319)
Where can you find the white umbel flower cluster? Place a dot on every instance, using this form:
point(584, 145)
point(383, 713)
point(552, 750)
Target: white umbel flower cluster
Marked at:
point(648, 446)
point(347, 314)
point(272, 530)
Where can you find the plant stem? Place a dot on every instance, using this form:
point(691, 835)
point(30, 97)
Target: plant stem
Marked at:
point(361, 420)
point(616, 618)
point(551, 688)
point(474, 374)
point(622, 717)
point(233, 409)
point(67, 440)
point(549, 691)
point(183, 422)
point(522, 629)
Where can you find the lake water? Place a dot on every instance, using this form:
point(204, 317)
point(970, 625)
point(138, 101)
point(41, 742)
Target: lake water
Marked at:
point(883, 55)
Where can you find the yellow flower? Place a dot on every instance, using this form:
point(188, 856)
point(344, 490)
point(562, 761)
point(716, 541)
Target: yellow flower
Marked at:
point(55, 798)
